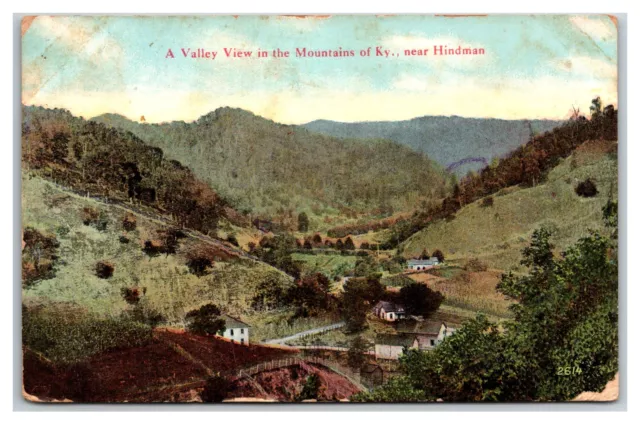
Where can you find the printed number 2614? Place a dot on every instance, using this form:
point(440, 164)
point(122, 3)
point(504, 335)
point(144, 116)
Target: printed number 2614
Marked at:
point(569, 371)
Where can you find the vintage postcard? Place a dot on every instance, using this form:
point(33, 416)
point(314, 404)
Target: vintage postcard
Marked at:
point(319, 208)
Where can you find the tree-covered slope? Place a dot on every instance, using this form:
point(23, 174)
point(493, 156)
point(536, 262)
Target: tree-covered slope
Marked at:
point(460, 144)
point(276, 170)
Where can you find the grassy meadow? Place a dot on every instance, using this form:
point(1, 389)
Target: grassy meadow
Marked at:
point(166, 282)
point(497, 234)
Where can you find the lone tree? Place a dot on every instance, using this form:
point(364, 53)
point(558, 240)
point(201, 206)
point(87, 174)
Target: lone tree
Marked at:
point(205, 321)
point(303, 222)
point(418, 299)
point(348, 244)
point(424, 254)
point(438, 254)
point(216, 389)
point(587, 188)
point(356, 354)
point(360, 294)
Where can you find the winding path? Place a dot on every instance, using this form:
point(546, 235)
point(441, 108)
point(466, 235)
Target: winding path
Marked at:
point(310, 332)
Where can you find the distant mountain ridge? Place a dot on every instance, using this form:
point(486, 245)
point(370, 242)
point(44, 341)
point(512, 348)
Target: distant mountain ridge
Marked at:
point(280, 170)
point(458, 144)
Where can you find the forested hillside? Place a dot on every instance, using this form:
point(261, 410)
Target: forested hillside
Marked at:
point(93, 159)
point(457, 143)
point(527, 166)
point(278, 171)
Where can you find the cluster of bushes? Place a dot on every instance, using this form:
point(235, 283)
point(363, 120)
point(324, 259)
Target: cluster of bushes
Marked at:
point(39, 256)
point(356, 229)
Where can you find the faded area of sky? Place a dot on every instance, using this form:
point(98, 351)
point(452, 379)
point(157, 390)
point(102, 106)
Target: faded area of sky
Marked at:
point(534, 67)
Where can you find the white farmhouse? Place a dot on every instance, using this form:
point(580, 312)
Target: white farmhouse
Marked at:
point(236, 330)
point(422, 264)
point(388, 311)
point(428, 333)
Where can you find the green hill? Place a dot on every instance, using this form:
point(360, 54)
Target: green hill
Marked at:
point(496, 234)
point(460, 144)
point(277, 171)
point(164, 281)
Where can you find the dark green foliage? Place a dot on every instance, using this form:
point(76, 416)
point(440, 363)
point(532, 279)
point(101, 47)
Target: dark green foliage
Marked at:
point(276, 251)
point(233, 240)
point(269, 295)
point(303, 222)
point(310, 389)
point(356, 355)
point(396, 390)
point(424, 254)
point(438, 254)
point(365, 245)
point(130, 294)
point(418, 299)
point(104, 269)
point(94, 218)
point(348, 244)
point(563, 340)
point(307, 245)
point(487, 202)
point(123, 240)
point(310, 295)
point(129, 222)
point(586, 188)
point(65, 334)
point(205, 320)
point(39, 256)
point(199, 265)
point(216, 389)
point(359, 296)
point(317, 239)
point(145, 314)
point(115, 164)
point(365, 265)
point(527, 165)
point(284, 167)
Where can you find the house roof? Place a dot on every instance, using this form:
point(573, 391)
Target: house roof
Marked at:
point(389, 306)
point(405, 340)
point(419, 327)
point(231, 322)
point(431, 261)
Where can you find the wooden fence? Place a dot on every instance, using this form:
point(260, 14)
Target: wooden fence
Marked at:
point(352, 376)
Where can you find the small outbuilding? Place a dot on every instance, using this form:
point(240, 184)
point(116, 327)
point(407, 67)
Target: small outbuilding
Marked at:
point(236, 330)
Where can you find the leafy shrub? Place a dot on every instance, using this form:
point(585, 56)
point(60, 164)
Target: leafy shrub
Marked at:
point(233, 240)
point(129, 222)
point(130, 294)
point(216, 389)
point(39, 256)
point(124, 240)
point(205, 320)
point(586, 188)
point(199, 266)
point(487, 202)
point(94, 218)
point(104, 269)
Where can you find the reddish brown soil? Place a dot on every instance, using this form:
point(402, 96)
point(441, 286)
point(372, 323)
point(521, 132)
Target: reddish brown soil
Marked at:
point(152, 372)
point(285, 384)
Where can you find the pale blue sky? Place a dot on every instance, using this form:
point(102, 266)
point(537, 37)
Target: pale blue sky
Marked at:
point(534, 66)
